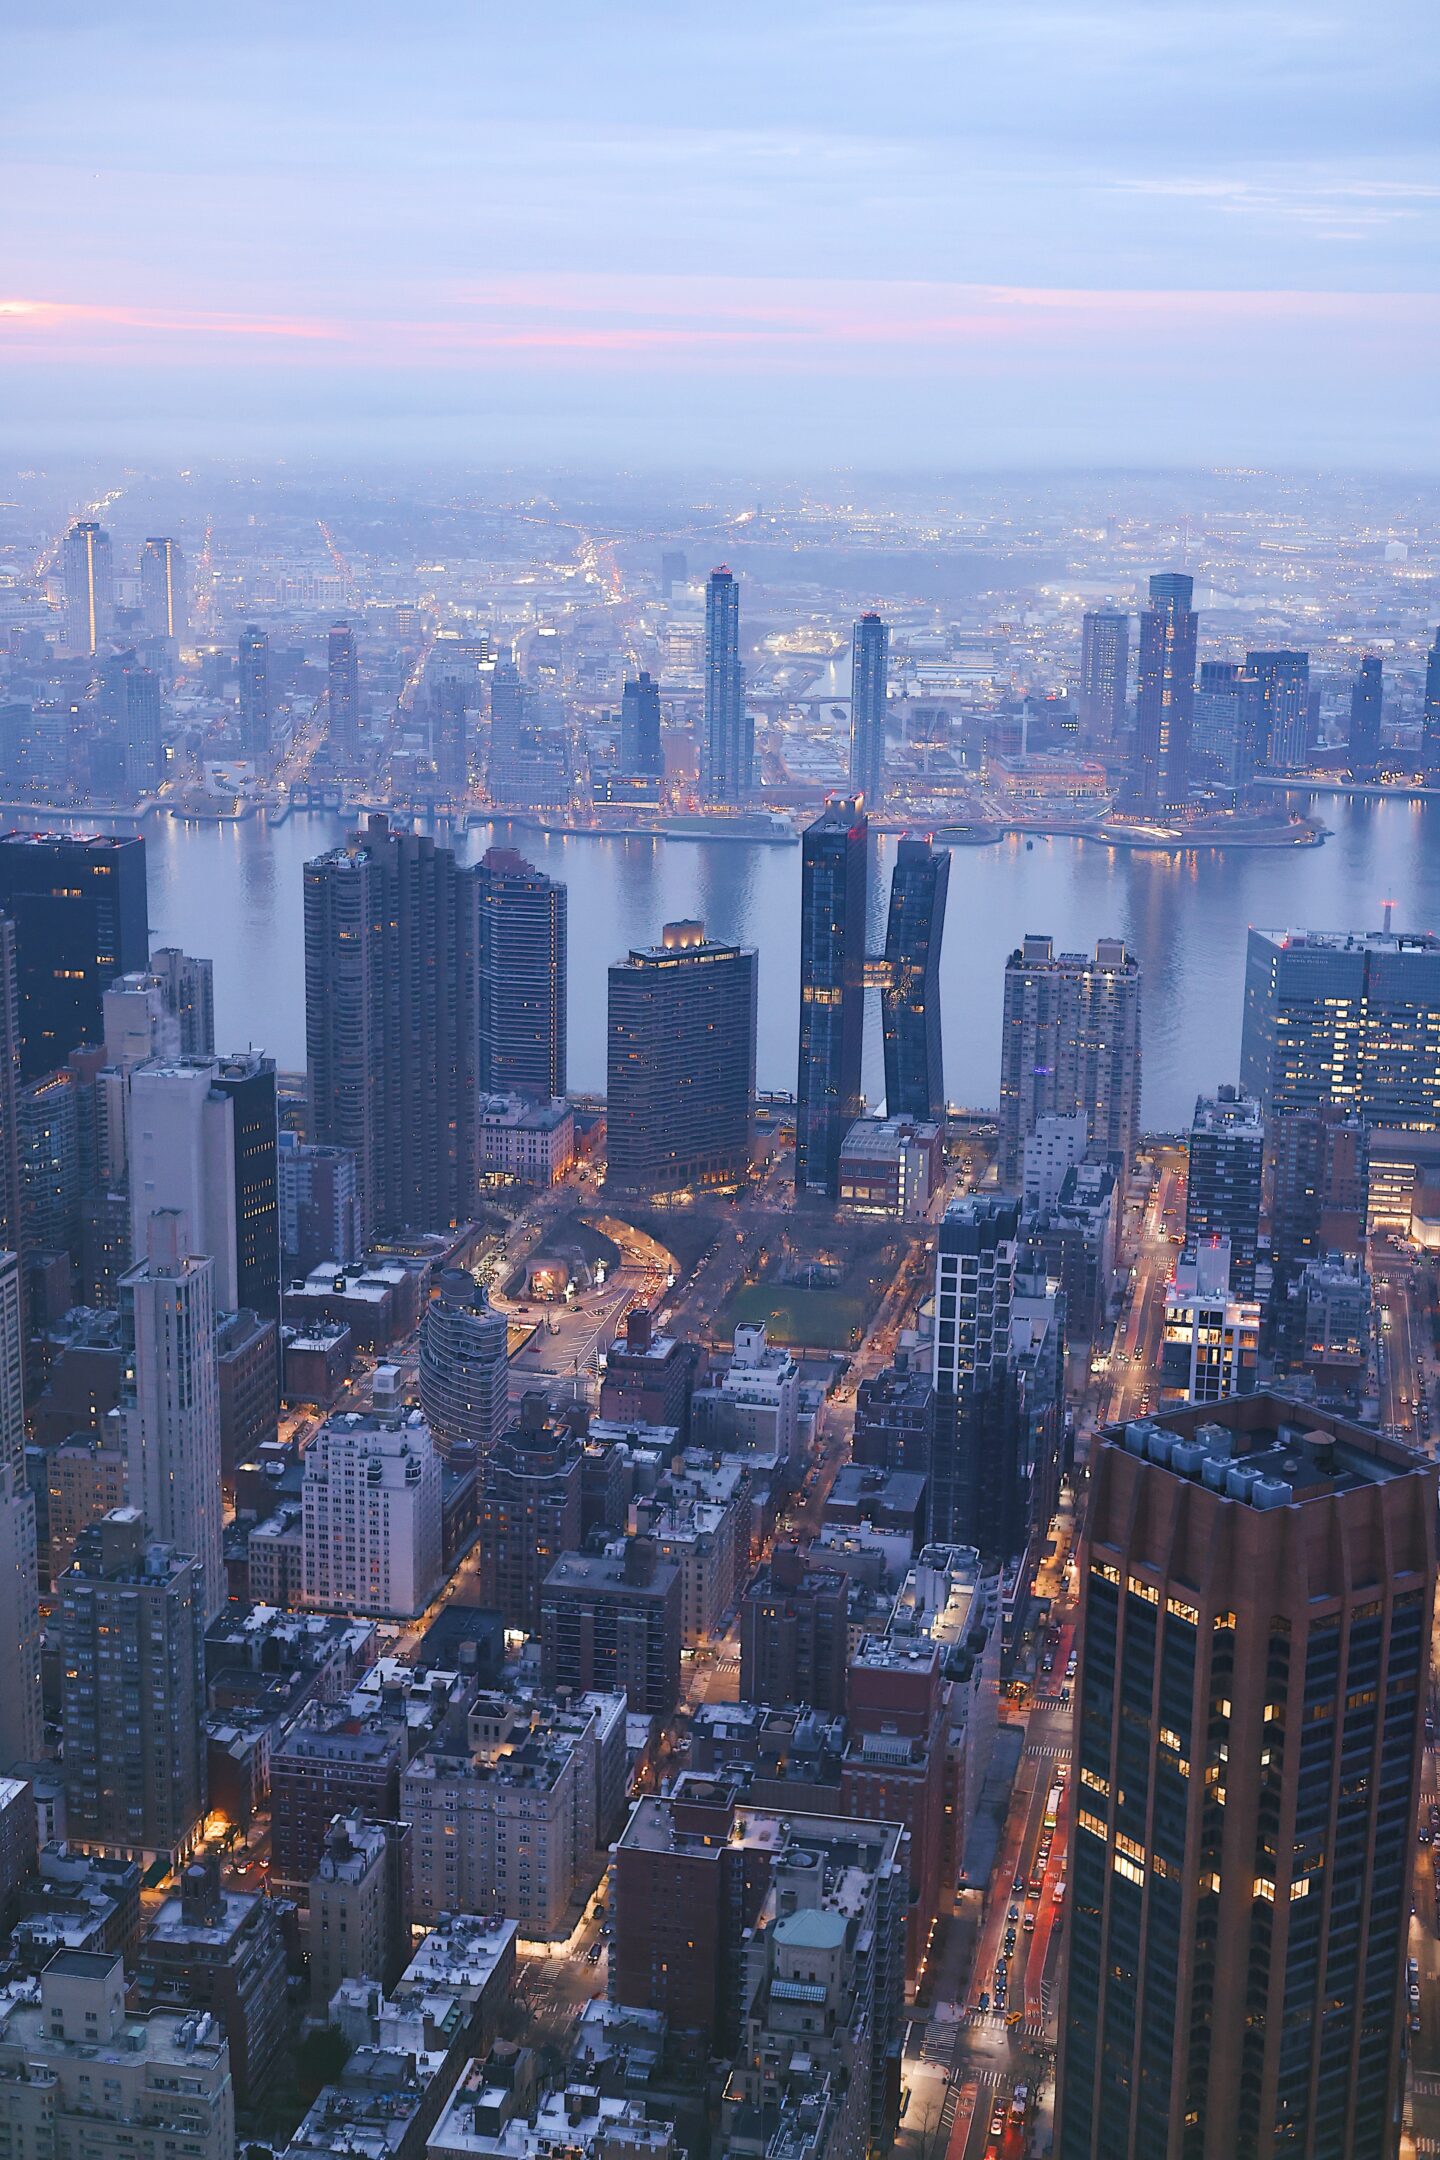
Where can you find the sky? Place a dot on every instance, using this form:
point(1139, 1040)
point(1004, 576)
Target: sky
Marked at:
point(878, 235)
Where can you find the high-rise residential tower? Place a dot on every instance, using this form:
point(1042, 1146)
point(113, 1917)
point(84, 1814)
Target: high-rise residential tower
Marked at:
point(869, 690)
point(79, 909)
point(130, 696)
point(169, 1418)
point(344, 687)
point(680, 1094)
point(89, 586)
point(464, 1366)
point(1104, 665)
point(254, 677)
point(201, 1138)
point(974, 1471)
point(1071, 1041)
point(524, 978)
point(727, 765)
point(1165, 696)
point(392, 1024)
point(1367, 699)
point(640, 751)
point(832, 992)
point(188, 985)
point(20, 1720)
point(132, 1653)
point(1257, 1585)
point(9, 1090)
point(1225, 1181)
point(1430, 733)
point(1276, 692)
point(162, 589)
point(910, 999)
point(1349, 1019)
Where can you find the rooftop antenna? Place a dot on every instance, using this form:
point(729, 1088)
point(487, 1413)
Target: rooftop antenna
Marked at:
point(1389, 911)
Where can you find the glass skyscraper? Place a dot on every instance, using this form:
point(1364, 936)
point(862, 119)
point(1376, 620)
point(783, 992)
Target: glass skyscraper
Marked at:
point(869, 688)
point(832, 992)
point(910, 999)
point(727, 770)
point(1165, 696)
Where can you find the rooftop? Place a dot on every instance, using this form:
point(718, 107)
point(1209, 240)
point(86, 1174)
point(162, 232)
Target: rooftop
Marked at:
point(1267, 1450)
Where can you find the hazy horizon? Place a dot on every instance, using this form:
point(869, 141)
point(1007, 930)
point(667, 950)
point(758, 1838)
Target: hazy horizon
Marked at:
point(910, 238)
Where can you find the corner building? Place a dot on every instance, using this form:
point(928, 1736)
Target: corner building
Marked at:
point(1257, 1589)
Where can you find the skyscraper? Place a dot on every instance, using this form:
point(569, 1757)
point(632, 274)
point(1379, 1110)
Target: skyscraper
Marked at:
point(1367, 699)
point(869, 691)
point(170, 1414)
point(162, 589)
point(1430, 734)
point(1225, 1180)
point(449, 740)
point(727, 766)
point(973, 1495)
point(1165, 696)
point(832, 992)
point(464, 1366)
point(1104, 666)
point(1257, 1585)
point(640, 750)
point(79, 910)
point(910, 999)
point(344, 685)
point(524, 978)
point(680, 1095)
point(1277, 699)
point(131, 696)
point(201, 1139)
point(255, 709)
point(1071, 1041)
point(89, 586)
point(1346, 1019)
point(9, 1090)
point(132, 1642)
point(392, 1023)
point(188, 986)
point(20, 1721)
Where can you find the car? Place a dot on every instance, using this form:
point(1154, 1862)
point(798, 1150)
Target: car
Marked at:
point(1029, 1923)
point(1425, 1836)
point(594, 1953)
point(1065, 1694)
point(984, 2003)
point(997, 2120)
point(1014, 1913)
point(1018, 1886)
point(1414, 1991)
point(1009, 1942)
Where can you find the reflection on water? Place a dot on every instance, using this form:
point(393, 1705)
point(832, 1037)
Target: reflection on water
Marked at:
point(234, 892)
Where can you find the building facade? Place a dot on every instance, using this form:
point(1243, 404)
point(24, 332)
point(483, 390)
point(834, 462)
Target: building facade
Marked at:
point(1071, 1041)
point(828, 1096)
point(680, 1092)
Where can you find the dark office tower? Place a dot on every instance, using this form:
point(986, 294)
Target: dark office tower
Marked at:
point(89, 586)
point(523, 978)
point(248, 1080)
point(1104, 666)
point(1256, 1592)
point(189, 990)
point(529, 1513)
point(674, 570)
point(131, 696)
point(162, 589)
point(344, 679)
point(448, 743)
point(727, 767)
point(640, 750)
point(1277, 698)
point(392, 994)
point(1225, 1180)
point(1349, 1020)
point(869, 690)
point(1430, 732)
point(832, 992)
point(1319, 1183)
point(1165, 695)
point(1366, 702)
point(78, 906)
point(680, 1096)
point(255, 709)
point(1070, 1041)
point(910, 1000)
point(1224, 744)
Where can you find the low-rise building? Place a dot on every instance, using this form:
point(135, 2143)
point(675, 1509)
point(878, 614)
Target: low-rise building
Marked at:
point(81, 2075)
point(891, 1166)
point(221, 1951)
point(486, 2118)
point(752, 1407)
point(533, 1142)
point(274, 1558)
point(649, 1377)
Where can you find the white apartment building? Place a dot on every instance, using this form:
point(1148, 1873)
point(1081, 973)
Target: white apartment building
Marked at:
point(1057, 1143)
point(371, 1509)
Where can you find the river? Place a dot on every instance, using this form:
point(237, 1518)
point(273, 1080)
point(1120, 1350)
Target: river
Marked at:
point(233, 891)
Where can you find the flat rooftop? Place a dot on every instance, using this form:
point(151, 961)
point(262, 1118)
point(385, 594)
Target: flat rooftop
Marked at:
point(1267, 1449)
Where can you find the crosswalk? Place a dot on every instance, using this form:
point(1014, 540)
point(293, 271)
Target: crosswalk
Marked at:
point(1049, 1750)
point(1423, 2086)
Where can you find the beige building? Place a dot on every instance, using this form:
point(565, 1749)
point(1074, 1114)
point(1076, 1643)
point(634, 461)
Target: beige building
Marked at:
point(86, 1478)
point(521, 1823)
point(357, 1897)
point(79, 2077)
